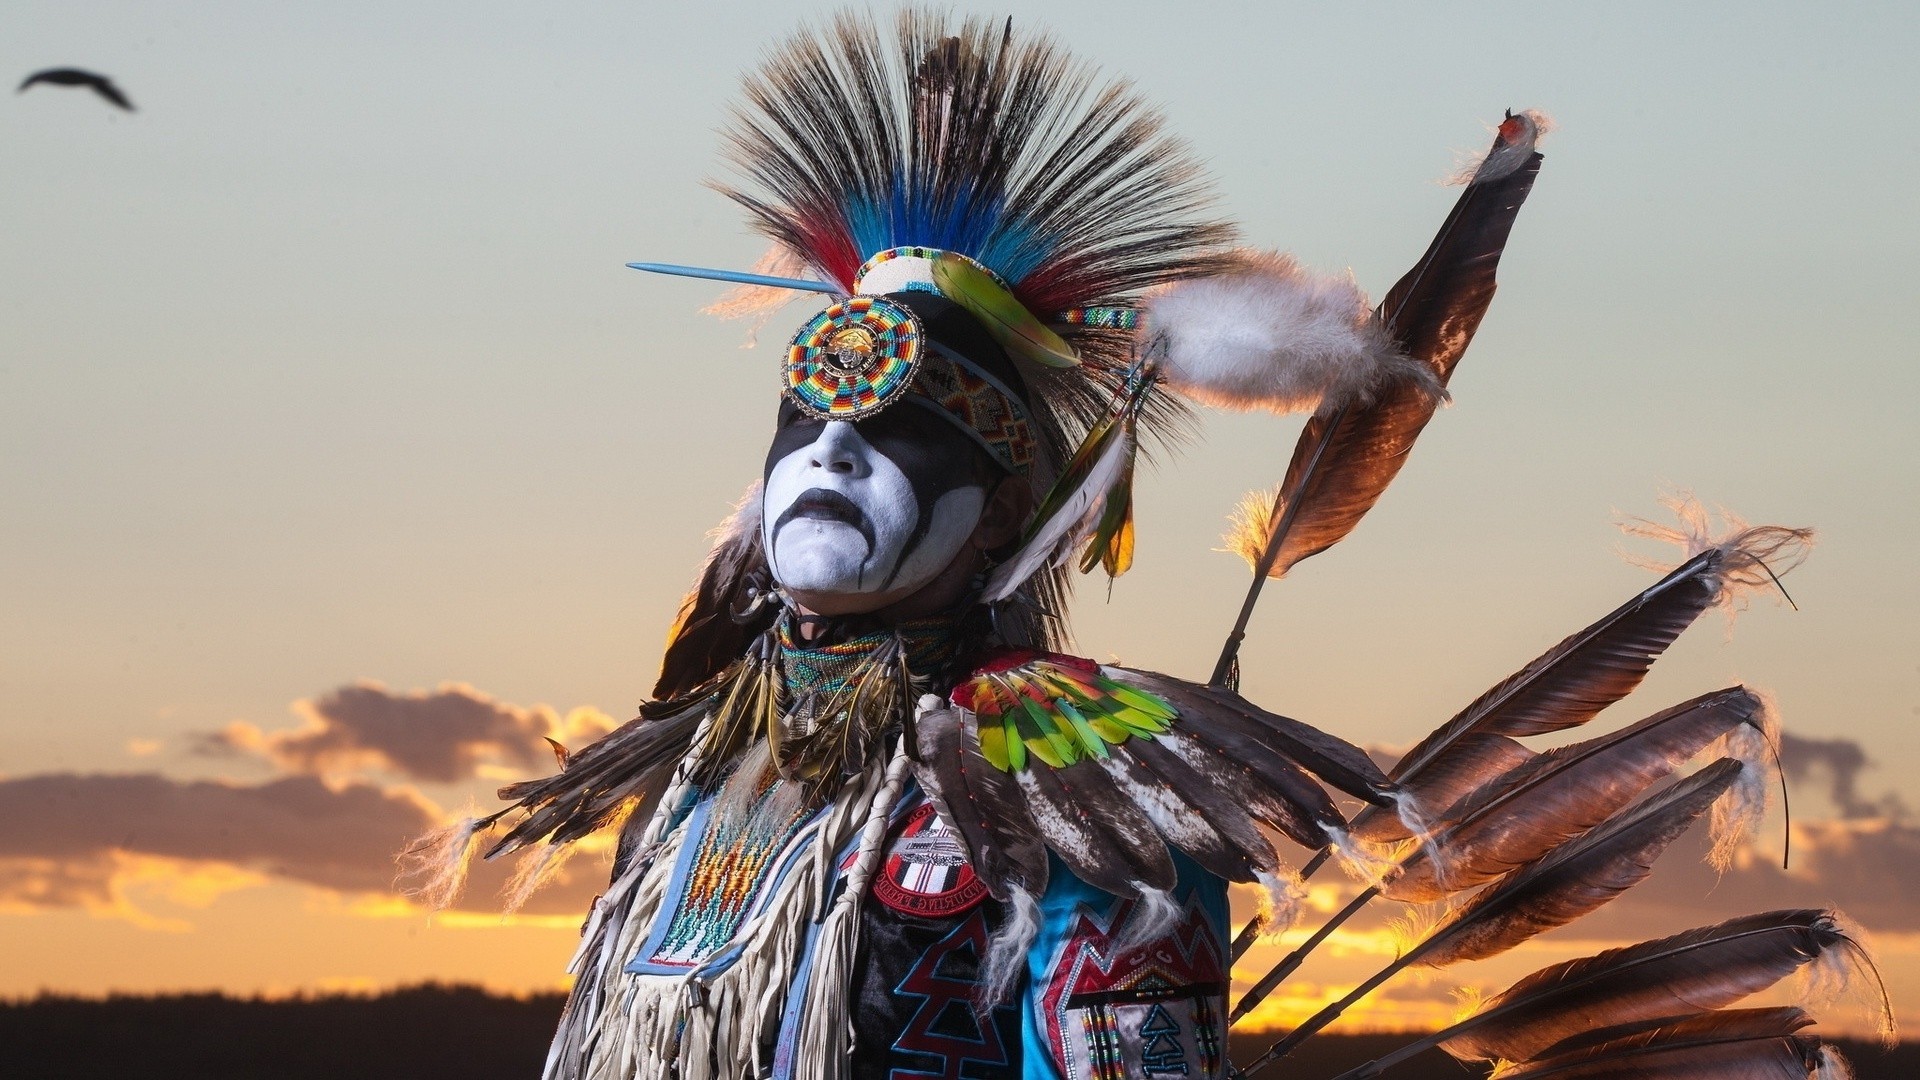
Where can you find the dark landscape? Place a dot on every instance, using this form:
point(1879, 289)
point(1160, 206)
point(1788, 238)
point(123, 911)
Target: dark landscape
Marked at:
point(428, 1032)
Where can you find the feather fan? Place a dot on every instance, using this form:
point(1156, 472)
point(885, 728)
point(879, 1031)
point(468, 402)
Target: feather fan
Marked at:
point(1518, 817)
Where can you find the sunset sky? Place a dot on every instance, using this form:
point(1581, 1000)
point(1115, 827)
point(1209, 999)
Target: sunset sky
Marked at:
point(341, 459)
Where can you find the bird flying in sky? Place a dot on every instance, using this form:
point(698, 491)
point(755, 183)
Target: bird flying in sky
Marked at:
point(99, 84)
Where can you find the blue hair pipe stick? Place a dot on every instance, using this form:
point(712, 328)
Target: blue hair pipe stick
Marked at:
point(738, 277)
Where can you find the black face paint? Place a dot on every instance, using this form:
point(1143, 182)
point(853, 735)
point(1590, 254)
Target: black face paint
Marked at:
point(926, 448)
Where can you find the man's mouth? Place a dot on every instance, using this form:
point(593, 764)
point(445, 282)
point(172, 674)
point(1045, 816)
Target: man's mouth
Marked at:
point(821, 504)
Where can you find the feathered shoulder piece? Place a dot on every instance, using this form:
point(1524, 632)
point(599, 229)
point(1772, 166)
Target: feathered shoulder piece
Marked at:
point(1111, 769)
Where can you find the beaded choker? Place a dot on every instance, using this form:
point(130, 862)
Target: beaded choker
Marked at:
point(823, 704)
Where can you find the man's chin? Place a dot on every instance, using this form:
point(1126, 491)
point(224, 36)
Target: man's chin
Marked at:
point(825, 590)
point(840, 603)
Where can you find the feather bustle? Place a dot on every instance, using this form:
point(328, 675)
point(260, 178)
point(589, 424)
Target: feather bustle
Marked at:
point(1570, 683)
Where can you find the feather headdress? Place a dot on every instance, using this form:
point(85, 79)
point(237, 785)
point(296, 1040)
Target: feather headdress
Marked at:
point(990, 167)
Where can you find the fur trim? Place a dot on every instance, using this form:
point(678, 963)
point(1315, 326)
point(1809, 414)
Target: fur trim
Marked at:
point(1280, 898)
point(1006, 955)
point(1267, 334)
point(1832, 1065)
point(1151, 918)
point(537, 867)
point(1357, 860)
point(437, 863)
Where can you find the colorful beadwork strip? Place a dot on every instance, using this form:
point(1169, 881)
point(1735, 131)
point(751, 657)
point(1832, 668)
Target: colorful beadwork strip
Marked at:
point(734, 865)
point(1101, 318)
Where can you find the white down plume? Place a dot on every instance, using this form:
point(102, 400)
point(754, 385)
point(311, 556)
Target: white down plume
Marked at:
point(1268, 334)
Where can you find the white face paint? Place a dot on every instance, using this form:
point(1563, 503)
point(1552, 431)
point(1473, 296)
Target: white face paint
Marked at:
point(839, 516)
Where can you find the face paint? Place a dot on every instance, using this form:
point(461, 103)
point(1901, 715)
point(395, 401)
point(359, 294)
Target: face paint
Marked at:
point(880, 506)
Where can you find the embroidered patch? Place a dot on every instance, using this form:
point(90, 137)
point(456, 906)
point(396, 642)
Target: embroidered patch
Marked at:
point(926, 872)
point(947, 1026)
point(1136, 1034)
point(1153, 1012)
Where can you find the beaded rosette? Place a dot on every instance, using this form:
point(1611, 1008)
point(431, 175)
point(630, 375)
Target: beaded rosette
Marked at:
point(854, 358)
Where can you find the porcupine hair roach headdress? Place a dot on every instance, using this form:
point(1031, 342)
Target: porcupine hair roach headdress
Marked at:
point(1052, 208)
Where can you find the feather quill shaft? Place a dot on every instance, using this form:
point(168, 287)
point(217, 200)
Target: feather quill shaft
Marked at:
point(1517, 817)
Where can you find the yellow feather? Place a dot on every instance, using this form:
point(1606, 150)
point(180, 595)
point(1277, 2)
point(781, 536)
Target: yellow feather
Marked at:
point(1011, 324)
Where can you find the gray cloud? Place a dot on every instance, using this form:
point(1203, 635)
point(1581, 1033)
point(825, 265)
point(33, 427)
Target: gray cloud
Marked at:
point(67, 836)
point(1840, 762)
point(438, 736)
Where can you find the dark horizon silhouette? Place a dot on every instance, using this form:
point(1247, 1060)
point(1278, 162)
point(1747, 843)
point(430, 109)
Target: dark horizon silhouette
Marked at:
point(441, 1030)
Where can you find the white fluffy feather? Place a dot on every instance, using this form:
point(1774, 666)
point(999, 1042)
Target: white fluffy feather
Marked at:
point(1270, 335)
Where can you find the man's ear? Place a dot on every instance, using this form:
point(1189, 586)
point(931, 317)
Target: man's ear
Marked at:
point(1009, 505)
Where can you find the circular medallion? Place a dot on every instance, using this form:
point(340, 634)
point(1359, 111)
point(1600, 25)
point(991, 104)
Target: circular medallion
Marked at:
point(926, 872)
point(852, 359)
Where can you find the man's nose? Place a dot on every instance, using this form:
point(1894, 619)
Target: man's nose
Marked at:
point(840, 449)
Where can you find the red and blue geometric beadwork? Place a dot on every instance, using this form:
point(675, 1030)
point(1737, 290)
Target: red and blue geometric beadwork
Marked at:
point(853, 359)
